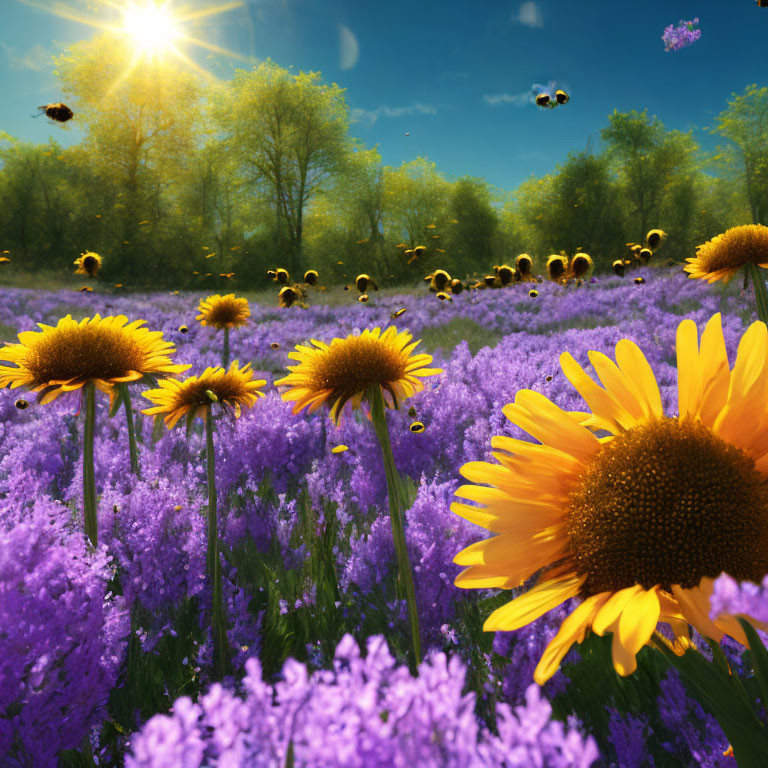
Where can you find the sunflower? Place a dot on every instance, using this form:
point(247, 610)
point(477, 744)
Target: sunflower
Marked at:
point(88, 263)
point(723, 256)
point(638, 523)
point(345, 369)
point(233, 388)
point(107, 351)
point(223, 311)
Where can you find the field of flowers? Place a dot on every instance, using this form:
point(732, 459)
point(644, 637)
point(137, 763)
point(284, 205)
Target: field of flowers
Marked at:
point(106, 656)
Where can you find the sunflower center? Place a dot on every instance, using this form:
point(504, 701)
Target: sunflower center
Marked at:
point(667, 502)
point(227, 388)
point(355, 364)
point(735, 247)
point(225, 312)
point(84, 352)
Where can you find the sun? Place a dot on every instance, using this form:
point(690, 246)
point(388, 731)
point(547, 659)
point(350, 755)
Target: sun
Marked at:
point(152, 27)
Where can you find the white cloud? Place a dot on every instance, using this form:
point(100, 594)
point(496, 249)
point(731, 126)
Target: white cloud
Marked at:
point(517, 99)
point(349, 49)
point(370, 116)
point(37, 58)
point(529, 15)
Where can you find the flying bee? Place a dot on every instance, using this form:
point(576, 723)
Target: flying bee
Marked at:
point(362, 298)
point(363, 282)
point(287, 296)
point(533, 293)
point(417, 253)
point(542, 100)
point(311, 277)
point(443, 296)
point(86, 289)
point(281, 276)
point(491, 281)
point(524, 267)
point(548, 378)
point(4, 260)
point(88, 263)
point(438, 280)
point(580, 266)
point(562, 97)
point(399, 313)
point(183, 328)
point(556, 267)
point(618, 267)
point(59, 112)
point(275, 345)
point(117, 285)
point(456, 286)
point(505, 273)
point(549, 96)
point(22, 405)
point(655, 238)
point(639, 280)
point(644, 254)
point(417, 427)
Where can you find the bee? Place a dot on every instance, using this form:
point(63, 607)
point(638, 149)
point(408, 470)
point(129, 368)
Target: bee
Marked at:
point(59, 112)
point(362, 298)
point(456, 286)
point(556, 267)
point(581, 265)
point(209, 255)
point(505, 273)
point(419, 251)
point(363, 282)
point(287, 296)
point(86, 289)
point(655, 238)
point(548, 378)
point(644, 254)
point(183, 328)
point(542, 100)
point(142, 223)
point(311, 277)
point(639, 280)
point(281, 276)
point(4, 260)
point(5, 253)
point(400, 245)
point(438, 280)
point(399, 313)
point(533, 293)
point(22, 405)
point(227, 275)
point(117, 285)
point(491, 281)
point(412, 412)
point(524, 267)
point(562, 97)
point(339, 448)
point(417, 427)
point(443, 296)
point(275, 345)
point(88, 263)
point(618, 267)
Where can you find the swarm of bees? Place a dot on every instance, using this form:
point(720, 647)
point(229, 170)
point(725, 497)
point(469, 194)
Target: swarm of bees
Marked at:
point(279, 276)
point(58, 112)
point(640, 255)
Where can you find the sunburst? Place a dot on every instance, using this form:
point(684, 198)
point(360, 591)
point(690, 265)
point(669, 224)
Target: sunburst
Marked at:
point(156, 28)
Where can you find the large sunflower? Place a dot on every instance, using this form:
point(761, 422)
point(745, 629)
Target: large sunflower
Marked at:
point(64, 357)
point(233, 388)
point(640, 522)
point(723, 256)
point(223, 311)
point(343, 371)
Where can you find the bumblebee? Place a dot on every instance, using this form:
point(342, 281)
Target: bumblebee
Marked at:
point(618, 267)
point(443, 296)
point(524, 267)
point(22, 405)
point(287, 296)
point(4, 260)
point(456, 286)
point(363, 282)
point(59, 112)
point(639, 280)
point(542, 100)
point(398, 313)
point(644, 254)
point(491, 281)
point(655, 238)
point(548, 378)
point(580, 266)
point(86, 289)
point(362, 298)
point(533, 293)
point(439, 280)
point(275, 345)
point(417, 427)
point(556, 267)
point(505, 274)
point(183, 328)
point(311, 277)
point(562, 97)
point(88, 263)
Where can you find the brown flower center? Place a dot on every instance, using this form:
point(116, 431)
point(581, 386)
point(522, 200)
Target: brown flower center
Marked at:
point(227, 389)
point(667, 503)
point(735, 247)
point(84, 352)
point(353, 365)
point(225, 312)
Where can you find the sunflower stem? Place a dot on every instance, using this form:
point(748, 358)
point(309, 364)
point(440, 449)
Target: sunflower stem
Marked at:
point(213, 561)
point(89, 479)
point(133, 448)
point(225, 351)
point(761, 295)
point(395, 492)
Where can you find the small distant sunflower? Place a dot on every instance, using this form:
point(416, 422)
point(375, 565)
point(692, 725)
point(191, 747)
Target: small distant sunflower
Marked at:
point(723, 256)
point(344, 370)
point(88, 263)
point(223, 311)
point(232, 389)
point(107, 351)
point(639, 523)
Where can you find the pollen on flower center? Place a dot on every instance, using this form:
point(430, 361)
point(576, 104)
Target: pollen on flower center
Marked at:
point(667, 502)
point(84, 352)
point(356, 363)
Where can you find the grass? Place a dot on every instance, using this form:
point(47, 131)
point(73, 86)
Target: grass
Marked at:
point(446, 337)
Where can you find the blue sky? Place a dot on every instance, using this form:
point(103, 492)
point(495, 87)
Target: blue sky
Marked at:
point(453, 74)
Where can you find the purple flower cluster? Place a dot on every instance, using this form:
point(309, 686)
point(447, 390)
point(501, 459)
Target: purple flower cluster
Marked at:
point(745, 598)
point(364, 713)
point(680, 36)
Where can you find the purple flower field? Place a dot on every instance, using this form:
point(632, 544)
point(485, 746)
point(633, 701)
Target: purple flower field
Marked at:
point(105, 657)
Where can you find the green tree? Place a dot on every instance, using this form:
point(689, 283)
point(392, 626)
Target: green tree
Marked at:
point(745, 123)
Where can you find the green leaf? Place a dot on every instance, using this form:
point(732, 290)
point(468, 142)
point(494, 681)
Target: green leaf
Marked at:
point(118, 401)
point(759, 657)
point(190, 422)
point(158, 428)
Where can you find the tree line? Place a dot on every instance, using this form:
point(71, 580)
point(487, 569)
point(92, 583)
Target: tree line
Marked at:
point(178, 177)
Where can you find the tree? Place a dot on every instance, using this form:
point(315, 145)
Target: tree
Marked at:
point(745, 123)
point(289, 132)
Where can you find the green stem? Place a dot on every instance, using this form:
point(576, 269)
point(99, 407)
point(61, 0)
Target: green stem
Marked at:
point(225, 352)
point(134, 450)
point(89, 480)
point(394, 489)
point(761, 295)
point(213, 561)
